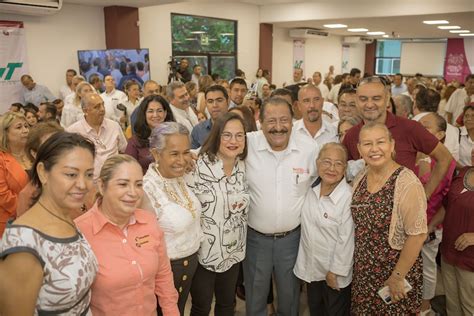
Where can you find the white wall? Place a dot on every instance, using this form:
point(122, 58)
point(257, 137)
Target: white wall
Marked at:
point(426, 58)
point(337, 9)
point(155, 32)
point(53, 41)
point(319, 55)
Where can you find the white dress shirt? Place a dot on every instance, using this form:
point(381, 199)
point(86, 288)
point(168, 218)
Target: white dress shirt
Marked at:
point(71, 114)
point(333, 94)
point(466, 146)
point(278, 181)
point(182, 230)
point(110, 102)
point(326, 134)
point(332, 110)
point(396, 90)
point(185, 117)
point(457, 102)
point(324, 90)
point(64, 91)
point(109, 141)
point(327, 236)
point(131, 107)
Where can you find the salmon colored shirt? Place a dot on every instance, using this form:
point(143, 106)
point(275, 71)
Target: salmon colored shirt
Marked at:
point(133, 265)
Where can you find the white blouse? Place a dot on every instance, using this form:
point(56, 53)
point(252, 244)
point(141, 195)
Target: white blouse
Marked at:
point(327, 236)
point(466, 147)
point(181, 227)
point(224, 203)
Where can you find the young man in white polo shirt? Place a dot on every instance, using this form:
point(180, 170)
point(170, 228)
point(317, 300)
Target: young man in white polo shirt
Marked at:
point(280, 170)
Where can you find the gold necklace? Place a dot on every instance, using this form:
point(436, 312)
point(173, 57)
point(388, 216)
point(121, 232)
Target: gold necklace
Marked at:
point(171, 192)
point(378, 184)
point(22, 159)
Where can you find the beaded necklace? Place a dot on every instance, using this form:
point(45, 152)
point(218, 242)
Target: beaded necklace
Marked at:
point(171, 192)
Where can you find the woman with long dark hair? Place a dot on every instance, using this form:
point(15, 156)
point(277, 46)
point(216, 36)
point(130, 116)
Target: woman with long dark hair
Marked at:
point(153, 111)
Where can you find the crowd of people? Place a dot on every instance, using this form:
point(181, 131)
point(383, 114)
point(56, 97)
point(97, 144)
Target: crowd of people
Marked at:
point(130, 202)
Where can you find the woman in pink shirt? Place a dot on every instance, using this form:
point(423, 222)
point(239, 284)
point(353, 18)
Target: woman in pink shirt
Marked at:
point(435, 212)
point(134, 267)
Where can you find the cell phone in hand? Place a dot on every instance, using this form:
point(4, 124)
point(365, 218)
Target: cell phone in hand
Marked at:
point(384, 292)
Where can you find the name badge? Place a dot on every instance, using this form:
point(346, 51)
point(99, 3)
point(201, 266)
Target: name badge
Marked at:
point(300, 170)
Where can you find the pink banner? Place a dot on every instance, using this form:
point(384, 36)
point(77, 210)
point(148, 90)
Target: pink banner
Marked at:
point(456, 66)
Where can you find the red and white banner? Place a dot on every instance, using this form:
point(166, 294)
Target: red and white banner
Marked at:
point(459, 60)
point(13, 62)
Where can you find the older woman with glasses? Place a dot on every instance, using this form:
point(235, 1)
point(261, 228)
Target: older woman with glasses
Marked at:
point(326, 249)
point(389, 213)
point(177, 208)
point(129, 246)
point(219, 182)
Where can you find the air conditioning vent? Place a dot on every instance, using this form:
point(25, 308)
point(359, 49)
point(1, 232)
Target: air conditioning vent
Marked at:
point(357, 39)
point(308, 33)
point(31, 7)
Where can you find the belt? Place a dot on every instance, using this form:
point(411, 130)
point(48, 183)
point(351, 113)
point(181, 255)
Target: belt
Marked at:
point(276, 235)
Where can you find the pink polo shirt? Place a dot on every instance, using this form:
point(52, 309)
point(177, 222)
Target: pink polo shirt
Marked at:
point(436, 199)
point(133, 265)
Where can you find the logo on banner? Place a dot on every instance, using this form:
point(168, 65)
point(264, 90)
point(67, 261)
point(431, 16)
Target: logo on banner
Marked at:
point(9, 70)
point(455, 64)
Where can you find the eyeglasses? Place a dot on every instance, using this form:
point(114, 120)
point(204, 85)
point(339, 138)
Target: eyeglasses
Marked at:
point(328, 163)
point(98, 142)
point(373, 79)
point(239, 137)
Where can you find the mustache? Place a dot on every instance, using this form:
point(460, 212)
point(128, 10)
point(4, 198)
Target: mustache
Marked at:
point(313, 111)
point(282, 130)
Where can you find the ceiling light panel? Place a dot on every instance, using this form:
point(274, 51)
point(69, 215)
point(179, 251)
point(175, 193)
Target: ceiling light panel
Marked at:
point(435, 22)
point(376, 33)
point(335, 26)
point(449, 27)
point(358, 30)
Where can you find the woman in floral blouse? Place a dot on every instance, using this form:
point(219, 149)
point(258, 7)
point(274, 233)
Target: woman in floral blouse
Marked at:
point(219, 183)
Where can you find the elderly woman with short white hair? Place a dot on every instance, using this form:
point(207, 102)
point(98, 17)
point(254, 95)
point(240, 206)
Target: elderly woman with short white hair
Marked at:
point(325, 254)
point(177, 208)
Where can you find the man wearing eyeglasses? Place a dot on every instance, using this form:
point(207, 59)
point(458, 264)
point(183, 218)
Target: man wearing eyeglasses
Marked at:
point(217, 103)
point(106, 134)
point(410, 137)
point(280, 169)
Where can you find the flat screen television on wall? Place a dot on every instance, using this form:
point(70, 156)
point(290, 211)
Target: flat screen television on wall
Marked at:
point(122, 64)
